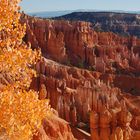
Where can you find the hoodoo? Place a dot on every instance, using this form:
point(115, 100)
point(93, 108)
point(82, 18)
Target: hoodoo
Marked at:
point(97, 93)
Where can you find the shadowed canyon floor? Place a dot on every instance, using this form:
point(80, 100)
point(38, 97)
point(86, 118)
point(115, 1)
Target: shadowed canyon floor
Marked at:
point(91, 78)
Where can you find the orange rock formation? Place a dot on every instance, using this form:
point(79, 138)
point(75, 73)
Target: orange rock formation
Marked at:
point(97, 97)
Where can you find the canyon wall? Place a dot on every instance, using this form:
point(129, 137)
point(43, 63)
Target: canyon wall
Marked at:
point(85, 101)
point(127, 24)
point(54, 128)
point(76, 43)
point(95, 96)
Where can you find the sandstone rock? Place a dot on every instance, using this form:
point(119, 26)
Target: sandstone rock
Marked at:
point(43, 92)
point(77, 43)
point(94, 120)
point(74, 92)
point(54, 128)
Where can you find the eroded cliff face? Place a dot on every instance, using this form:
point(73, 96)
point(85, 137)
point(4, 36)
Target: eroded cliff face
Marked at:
point(121, 23)
point(78, 44)
point(95, 96)
point(54, 128)
point(82, 98)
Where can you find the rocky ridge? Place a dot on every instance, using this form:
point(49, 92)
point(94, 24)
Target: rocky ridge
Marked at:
point(127, 24)
point(95, 96)
point(85, 101)
point(78, 44)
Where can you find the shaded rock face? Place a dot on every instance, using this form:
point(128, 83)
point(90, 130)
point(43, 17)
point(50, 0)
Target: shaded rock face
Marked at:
point(97, 97)
point(121, 23)
point(84, 100)
point(76, 43)
point(54, 128)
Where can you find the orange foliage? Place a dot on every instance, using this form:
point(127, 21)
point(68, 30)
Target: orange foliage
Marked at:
point(21, 112)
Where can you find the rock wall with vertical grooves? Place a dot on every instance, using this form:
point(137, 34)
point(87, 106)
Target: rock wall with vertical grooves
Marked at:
point(102, 94)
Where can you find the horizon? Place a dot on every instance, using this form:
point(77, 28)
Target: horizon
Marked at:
point(86, 10)
point(33, 6)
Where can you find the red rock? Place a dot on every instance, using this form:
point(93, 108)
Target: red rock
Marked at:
point(77, 43)
point(74, 92)
point(54, 128)
point(94, 120)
